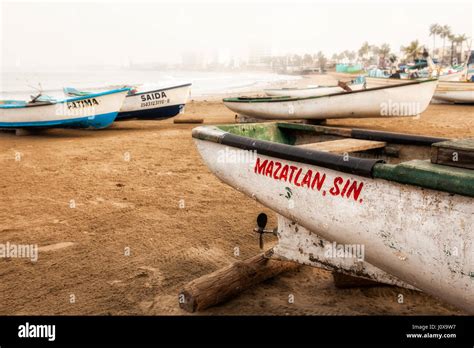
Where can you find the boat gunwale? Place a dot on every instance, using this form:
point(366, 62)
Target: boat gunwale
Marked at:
point(306, 88)
point(289, 99)
point(161, 89)
point(62, 101)
point(371, 168)
point(346, 164)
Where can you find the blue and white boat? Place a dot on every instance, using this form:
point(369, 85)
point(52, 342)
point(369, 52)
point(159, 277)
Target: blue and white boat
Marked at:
point(150, 104)
point(97, 110)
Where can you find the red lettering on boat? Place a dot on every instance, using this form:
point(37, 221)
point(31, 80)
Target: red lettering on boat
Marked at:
point(355, 190)
point(345, 187)
point(318, 181)
point(269, 170)
point(335, 189)
point(260, 167)
point(307, 178)
point(297, 176)
point(275, 173)
point(293, 168)
point(284, 173)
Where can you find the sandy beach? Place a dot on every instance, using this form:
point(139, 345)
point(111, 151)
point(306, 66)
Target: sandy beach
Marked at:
point(127, 215)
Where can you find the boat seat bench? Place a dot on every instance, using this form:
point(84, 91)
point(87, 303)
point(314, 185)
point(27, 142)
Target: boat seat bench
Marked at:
point(347, 145)
point(426, 174)
point(456, 153)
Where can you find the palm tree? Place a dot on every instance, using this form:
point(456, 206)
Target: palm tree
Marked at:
point(434, 30)
point(413, 50)
point(351, 55)
point(296, 60)
point(452, 38)
point(364, 50)
point(460, 40)
point(384, 50)
point(321, 60)
point(307, 60)
point(445, 32)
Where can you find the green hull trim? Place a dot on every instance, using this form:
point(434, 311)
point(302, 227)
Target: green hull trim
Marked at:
point(260, 131)
point(426, 174)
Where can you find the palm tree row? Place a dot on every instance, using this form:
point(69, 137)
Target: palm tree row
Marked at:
point(444, 32)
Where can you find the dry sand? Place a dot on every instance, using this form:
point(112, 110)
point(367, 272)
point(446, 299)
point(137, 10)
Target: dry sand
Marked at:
point(134, 205)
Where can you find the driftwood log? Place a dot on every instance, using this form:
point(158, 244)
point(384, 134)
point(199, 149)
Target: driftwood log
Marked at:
point(188, 120)
point(223, 284)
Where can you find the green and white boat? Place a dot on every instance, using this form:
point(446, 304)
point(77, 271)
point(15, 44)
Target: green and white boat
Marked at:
point(406, 200)
point(401, 100)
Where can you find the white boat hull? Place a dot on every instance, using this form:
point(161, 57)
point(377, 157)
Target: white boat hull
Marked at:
point(158, 104)
point(406, 100)
point(421, 236)
point(97, 111)
point(448, 91)
point(296, 243)
point(455, 92)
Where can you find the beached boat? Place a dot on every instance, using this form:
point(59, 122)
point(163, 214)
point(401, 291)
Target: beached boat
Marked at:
point(355, 85)
point(409, 99)
point(149, 104)
point(461, 92)
point(97, 110)
point(413, 218)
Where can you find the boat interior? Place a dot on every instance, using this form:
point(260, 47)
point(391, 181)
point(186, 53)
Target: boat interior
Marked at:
point(389, 147)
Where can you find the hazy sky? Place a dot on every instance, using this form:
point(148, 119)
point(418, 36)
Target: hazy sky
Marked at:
point(39, 34)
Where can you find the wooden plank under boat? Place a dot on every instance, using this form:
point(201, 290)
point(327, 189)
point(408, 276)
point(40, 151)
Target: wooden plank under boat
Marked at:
point(414, 218)
point(97, 110)
point(149, 104)
point(409, 99)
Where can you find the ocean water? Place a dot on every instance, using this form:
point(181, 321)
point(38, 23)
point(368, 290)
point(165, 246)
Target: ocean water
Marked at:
point(20, 85)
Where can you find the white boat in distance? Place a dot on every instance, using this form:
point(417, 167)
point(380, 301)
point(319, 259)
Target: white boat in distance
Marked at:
point(150, 104)
point(406, 99)
point(461, 92)
point(97, 110)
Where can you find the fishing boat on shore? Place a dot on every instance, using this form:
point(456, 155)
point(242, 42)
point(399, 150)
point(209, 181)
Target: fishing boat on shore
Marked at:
point(401, 198)
point(148, 104)
point(96, 110)
point(461, 92)
point(355, 85)
point(408, 99)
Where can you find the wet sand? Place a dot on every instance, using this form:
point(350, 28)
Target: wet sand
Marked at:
point(149, 217)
